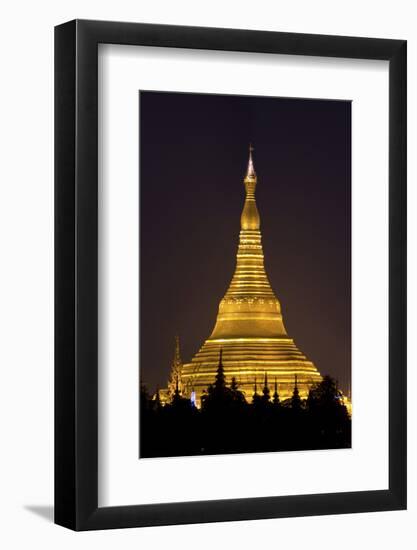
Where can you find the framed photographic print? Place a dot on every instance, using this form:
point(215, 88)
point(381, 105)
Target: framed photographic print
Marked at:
point(230, 275)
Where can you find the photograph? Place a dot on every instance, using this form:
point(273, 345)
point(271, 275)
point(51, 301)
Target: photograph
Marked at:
point(245, 274)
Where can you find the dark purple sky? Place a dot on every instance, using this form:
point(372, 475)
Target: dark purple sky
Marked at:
point(193, 157)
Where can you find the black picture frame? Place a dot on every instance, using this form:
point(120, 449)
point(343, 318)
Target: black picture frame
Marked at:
point(76, 272)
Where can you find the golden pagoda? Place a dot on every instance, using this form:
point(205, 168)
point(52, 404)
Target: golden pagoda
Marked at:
point(249, 328)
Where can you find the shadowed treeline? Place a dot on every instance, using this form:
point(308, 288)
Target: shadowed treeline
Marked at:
point(227, 423)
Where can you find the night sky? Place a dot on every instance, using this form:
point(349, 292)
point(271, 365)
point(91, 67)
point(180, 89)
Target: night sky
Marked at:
point(193, 157)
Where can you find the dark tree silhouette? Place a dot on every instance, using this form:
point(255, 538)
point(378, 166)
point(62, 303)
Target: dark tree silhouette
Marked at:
point(295, 399)
point(265, 391)
point(158, 403)
point(256, 398)
point(326, 393)
point(237, 395)
point(220, 380)
point(227, 423)
point(233, 385)
point(218, 396)
point(275, 396)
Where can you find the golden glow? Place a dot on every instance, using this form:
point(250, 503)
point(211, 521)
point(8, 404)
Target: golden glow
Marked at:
point(249, 326)
point(231, 340)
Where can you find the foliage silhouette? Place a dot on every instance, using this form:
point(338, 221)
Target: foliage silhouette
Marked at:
point(227, 423)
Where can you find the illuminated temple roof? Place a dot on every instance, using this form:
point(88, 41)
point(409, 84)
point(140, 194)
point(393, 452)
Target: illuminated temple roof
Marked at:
point(249, 326)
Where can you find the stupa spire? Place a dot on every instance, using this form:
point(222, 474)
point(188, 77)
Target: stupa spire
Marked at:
point(249, 307)
point(250, 220)
point(250, 174)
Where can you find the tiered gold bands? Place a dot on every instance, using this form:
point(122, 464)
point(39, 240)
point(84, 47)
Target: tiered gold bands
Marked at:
point(249, 326)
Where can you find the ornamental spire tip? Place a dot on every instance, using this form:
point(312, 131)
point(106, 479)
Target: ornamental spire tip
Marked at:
point(251, 169)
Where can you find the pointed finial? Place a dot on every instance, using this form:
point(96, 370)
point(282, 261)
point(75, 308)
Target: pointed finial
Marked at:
point(275, 397)
point(265, 390)
point(221, 356)
point(251, 174)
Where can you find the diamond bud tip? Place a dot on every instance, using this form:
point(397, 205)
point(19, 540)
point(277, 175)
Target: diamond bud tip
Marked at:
point(251, 169)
